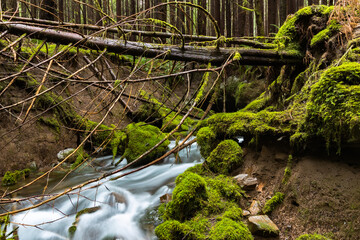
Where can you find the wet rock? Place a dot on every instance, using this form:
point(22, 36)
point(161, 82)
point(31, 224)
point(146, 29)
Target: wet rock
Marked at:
point(118, 197)
point(263, 226)
point(246, 213)
point(255, 208)
point(64, 153)
point(246, 182)
point(166, 198)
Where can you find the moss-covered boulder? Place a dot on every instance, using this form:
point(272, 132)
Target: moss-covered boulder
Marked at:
point(228, 229)
point(225, 158)
point(189, 196)
point(140, 138)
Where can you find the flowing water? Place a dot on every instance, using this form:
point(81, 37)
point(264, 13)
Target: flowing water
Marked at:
point(126, 205)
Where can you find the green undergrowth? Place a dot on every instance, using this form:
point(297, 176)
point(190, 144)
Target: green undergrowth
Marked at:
point(11, 178)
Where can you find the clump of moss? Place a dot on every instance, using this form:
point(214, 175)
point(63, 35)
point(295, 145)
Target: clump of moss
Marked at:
point(11, 178)
point(206, 138)
point(234, 213)
point(228, 229)
point(272, 203)
point(118, 142)
point(324, 35)
point(334, 105)
point(140, 138)
point(174, 230)
point(312, 237)
point(226, 186)
point(188, 197)
point(225, 158)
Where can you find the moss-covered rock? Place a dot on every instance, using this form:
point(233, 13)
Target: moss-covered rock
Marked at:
point(189, 196)
point(225, 158)
point(206, 139)
point(140, 138)
point(334, 106)
point(11, 178)
point(312, 237)
point(273, 202)
point(80, 156)
point(228, 229)
point(173, 230)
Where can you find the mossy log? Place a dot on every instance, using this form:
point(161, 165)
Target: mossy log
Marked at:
point(216, 56)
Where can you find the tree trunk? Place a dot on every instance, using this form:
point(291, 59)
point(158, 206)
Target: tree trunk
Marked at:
point(48, 10)
point(118, 10)
point(201, 30)
point(282, 11)
point(228, 22)
point(259, 14)
point(272, 16)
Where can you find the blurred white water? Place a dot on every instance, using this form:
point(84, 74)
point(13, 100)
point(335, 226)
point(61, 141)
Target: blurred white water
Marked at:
point(123, 202)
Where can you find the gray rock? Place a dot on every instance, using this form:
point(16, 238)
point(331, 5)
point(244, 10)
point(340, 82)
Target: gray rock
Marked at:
point(33, 166)
point(64, 153)
point(255, 208)
point(263, 226)
point(246, 213)
point(246, 182)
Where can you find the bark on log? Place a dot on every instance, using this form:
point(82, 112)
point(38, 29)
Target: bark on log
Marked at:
point(188, 53)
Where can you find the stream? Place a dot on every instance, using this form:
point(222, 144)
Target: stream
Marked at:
point(127, 205)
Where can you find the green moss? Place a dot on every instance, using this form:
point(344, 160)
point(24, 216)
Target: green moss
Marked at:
point(206, 139)
point(324, 35)
point(188, 197)
point(234, 213)
point(72, 230)
point(51, 122)
point(11, 178)
point(170, 119)
point(81, 156)
point(173, 230)
point(86, 211)
point(312, 237)
point(288, 33)
point(142, 137)
point(225, 158)
point(272, 203)
point(118, 142)
point(334, 106)
point(226, 186)
point(258, 104)
point(228, 229)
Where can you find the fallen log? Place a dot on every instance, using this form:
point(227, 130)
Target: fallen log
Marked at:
point(194, 38)
point(217, 56)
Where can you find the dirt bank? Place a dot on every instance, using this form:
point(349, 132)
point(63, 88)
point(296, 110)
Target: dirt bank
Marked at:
point(321, 195)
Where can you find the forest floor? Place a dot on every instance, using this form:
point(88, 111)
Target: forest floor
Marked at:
point(321, 195)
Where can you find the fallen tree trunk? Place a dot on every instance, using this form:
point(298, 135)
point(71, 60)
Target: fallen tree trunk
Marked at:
point(216, 56)
point(195, 38)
